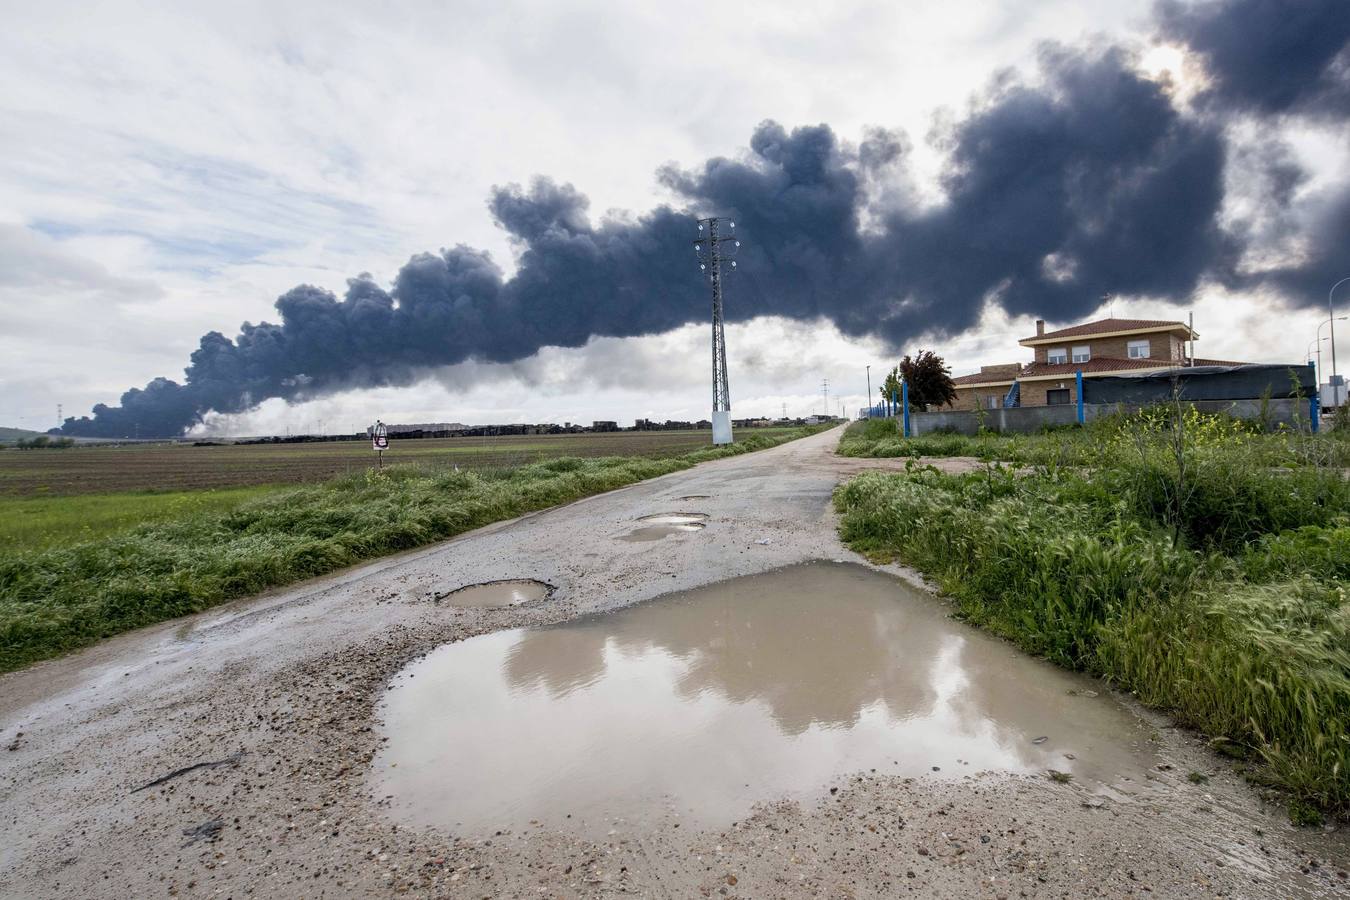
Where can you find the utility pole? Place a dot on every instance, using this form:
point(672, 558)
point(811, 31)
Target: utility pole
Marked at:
point(60, 416)
point(1331, 312)
point(713, 249)
point(825, 394)
point(869, 392)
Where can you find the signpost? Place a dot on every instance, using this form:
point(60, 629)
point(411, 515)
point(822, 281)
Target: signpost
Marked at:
point(379, 439)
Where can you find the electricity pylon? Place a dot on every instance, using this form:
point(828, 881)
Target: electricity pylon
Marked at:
point(713, 249)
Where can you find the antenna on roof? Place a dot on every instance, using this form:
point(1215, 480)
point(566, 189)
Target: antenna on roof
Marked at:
point(1108, 298)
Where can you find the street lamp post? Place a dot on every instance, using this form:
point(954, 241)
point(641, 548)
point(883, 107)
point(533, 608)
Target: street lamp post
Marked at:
point(1331, 312)
point(1308, 353)
point(869, 392)
point(1320, 340)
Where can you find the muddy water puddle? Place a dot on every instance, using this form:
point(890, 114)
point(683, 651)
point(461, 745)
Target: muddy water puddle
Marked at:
point(660, 525)
point(700, 703)
point(497, 593)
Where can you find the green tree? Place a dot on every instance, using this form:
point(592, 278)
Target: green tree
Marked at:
point(891, 386)
point(929, 379)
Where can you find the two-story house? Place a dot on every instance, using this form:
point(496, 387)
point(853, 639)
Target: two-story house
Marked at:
point(1104, 347)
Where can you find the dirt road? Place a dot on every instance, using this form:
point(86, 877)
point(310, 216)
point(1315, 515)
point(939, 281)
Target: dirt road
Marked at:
point(283, 696)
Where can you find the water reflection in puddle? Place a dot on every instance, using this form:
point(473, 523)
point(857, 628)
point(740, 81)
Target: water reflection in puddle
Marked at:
point(661, 525)
point(706, 701)
point(681, 518)
point(497, 593)
point(656, 532)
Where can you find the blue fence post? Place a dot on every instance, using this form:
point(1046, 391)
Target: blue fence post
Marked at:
point(1079, 384)
point(904, 402)
point(895, 407)
point(1314, 402)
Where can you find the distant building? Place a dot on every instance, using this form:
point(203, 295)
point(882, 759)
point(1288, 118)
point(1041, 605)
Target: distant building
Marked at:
point(604, 426)
point(1102, 348)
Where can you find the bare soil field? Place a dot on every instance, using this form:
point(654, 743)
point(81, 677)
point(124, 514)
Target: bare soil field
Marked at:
point(181, 466)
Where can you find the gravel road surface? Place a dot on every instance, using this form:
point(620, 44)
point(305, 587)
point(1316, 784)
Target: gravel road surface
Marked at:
point(274, 703)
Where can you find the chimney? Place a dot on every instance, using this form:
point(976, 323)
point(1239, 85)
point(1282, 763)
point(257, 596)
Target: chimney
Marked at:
point(1040, 327)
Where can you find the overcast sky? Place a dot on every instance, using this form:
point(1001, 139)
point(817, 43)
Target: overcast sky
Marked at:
point(171, 169)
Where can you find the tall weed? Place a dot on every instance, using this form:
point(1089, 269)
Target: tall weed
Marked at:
point(1194, 562)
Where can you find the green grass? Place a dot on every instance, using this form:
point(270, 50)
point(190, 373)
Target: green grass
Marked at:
point(70, 595)
point(1207, 574)
point(1071, 445)
point(41, 523)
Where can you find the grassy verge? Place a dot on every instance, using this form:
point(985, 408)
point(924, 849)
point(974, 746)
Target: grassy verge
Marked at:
point(1074, 445)
point(1176, 560)
point(58, 599)
point(41, 523)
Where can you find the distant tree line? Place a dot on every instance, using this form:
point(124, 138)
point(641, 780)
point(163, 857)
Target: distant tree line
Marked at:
point(44, 442)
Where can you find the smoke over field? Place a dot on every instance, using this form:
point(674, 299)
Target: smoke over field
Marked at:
point(1090, 178)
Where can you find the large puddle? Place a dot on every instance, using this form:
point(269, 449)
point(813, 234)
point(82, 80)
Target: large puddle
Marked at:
point(703, 702)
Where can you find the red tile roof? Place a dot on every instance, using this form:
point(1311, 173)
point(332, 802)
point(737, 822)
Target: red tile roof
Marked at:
point(1104, 326)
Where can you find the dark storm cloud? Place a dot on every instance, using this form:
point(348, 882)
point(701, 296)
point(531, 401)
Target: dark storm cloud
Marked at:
point(1268, 56)
point(1088, 181)
point(1056, 194)
point(1278, 59)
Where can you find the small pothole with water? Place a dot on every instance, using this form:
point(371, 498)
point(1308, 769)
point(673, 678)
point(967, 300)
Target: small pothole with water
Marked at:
point(660, 525)
point(507, 592)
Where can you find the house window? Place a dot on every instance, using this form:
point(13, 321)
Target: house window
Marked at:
point(1056, 356)
point(1057, 397)
point(1138, 349)
point(1082, 354)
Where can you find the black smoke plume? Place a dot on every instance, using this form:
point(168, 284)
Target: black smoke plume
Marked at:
point(1092, 180)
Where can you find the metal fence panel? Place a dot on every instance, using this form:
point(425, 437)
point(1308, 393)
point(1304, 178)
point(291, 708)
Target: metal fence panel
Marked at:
point(1249, 382)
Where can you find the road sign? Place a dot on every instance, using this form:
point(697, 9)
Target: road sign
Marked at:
point(379, 439)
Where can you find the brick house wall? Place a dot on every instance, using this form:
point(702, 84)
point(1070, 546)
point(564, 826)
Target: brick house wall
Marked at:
point(972, 397)
point(1034, 392)
point(1162, 345)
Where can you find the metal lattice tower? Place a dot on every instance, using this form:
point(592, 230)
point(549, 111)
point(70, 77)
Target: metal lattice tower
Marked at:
point(713, 249)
